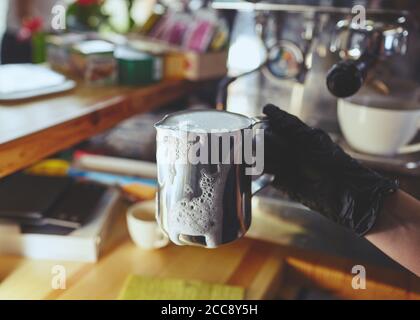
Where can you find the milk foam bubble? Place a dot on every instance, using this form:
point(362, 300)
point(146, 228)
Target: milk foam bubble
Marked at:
point(201, 215)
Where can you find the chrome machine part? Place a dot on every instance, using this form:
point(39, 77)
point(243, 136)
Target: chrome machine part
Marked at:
point(361, 45)
point(284, 61)
point(290, 6)
point(351, 39)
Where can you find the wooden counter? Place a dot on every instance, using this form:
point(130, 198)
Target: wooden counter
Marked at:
point(33, 129)
point(250, 264)
point(267, 271)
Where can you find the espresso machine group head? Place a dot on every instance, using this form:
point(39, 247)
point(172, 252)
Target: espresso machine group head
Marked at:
point(361, 46)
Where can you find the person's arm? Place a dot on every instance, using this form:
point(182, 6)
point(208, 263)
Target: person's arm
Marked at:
point(397, 230)
point(311, 169)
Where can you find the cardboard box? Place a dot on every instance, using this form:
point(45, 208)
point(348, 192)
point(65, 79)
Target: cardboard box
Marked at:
point(183, 64)
point(206, 66)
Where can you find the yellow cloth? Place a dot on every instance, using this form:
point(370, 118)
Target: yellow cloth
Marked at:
point(149, 288)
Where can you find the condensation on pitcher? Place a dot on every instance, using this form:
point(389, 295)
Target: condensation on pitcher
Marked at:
point(201, 215)
point(171, 150)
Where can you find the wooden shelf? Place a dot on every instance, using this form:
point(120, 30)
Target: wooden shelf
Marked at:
point(34, 129)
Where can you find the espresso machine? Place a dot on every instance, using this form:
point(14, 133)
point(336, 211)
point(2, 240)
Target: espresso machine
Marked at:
point(305, 55)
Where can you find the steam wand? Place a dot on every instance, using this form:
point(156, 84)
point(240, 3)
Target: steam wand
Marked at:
point(222, 88)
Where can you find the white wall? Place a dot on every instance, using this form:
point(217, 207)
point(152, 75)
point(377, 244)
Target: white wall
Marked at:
point(3, 12)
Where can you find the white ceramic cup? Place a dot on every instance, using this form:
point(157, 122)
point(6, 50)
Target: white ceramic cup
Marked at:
point(143, 227)
point(378, 131)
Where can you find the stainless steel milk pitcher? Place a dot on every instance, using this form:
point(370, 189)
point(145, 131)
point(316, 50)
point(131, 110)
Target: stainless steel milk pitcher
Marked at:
point(205, 175)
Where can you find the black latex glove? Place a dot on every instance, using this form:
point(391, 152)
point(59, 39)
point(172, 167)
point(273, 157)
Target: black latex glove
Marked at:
point(316, 172)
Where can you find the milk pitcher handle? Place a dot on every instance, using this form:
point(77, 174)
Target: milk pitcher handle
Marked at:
point(265, 179)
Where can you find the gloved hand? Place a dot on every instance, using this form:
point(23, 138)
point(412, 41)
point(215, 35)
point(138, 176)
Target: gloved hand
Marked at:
point(313, 170)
